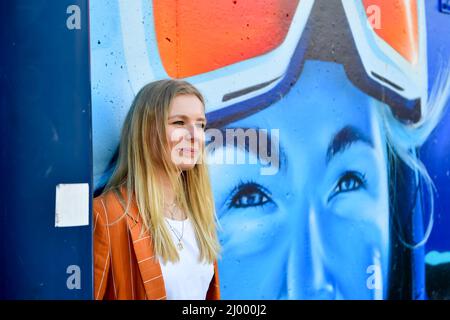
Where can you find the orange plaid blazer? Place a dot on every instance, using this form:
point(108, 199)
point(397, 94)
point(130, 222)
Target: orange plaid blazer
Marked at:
point(124, 264)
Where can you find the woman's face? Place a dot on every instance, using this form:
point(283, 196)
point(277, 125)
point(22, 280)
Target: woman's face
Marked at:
point(319, 227)
point(185, 130)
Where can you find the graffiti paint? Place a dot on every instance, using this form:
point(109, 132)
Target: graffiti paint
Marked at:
point(354, 92)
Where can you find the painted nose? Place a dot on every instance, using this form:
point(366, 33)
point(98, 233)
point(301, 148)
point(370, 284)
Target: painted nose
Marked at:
point(307, 275)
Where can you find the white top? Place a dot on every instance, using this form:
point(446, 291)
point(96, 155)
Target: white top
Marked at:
point(187, 279)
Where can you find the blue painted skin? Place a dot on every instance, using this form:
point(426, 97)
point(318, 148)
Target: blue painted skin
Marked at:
point(316, 229)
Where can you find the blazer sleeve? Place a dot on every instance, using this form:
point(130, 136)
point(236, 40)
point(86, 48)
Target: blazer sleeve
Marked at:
point(102, 259)
point(214, 287)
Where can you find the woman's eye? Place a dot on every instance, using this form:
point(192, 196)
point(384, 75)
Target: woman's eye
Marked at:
point(249, 195)
point(178, 123)
point(350, 181)
point(201, 125)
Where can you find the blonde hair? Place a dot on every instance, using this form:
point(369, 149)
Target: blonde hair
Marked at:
point(143, 152)
point(404, 138)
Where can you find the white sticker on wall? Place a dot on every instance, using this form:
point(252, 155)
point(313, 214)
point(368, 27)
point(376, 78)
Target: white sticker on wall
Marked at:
point(72, 205)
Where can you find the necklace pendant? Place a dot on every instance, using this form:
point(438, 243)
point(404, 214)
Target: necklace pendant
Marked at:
point(180, 246)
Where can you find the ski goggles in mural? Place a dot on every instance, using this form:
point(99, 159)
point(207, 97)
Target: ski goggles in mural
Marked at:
point(244, 55)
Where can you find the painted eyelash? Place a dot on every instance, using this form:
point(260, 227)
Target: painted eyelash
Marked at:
point(363, 178)
point(235, 191)
point(359, 175)
point(242, 183)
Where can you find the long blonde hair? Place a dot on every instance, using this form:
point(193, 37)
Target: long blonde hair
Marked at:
point(143, 152)
point(404, 138)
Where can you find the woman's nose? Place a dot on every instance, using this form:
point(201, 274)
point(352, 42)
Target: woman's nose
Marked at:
point(193, 133)
point(307, 274)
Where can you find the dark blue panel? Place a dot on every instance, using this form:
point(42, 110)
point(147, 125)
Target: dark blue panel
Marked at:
point(46, 140)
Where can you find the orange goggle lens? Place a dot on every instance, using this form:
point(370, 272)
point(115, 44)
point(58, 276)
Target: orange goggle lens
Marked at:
point(396, 22)
point(197, 36)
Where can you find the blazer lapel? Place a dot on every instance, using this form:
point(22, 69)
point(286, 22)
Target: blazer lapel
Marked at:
point(148, 263)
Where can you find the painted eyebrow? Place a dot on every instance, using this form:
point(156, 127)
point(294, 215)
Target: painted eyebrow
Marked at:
point(247, 147)
point(343, 139)
point(185, 117)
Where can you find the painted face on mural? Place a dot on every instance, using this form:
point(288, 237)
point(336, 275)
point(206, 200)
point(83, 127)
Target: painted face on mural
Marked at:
point(319, 227)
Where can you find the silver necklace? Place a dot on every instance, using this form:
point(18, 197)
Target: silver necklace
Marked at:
point(179, 244)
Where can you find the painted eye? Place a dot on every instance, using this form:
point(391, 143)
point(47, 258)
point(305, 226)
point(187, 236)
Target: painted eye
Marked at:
point(350, 181)
point(249, 195)
point(201, 125)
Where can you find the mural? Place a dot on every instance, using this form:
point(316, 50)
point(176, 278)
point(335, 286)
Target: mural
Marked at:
point(327, 135)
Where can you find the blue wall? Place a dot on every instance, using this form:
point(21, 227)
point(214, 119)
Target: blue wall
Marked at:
point(46, 141)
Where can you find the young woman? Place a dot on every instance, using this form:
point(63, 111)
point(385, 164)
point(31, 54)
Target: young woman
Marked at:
point(154, 223)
